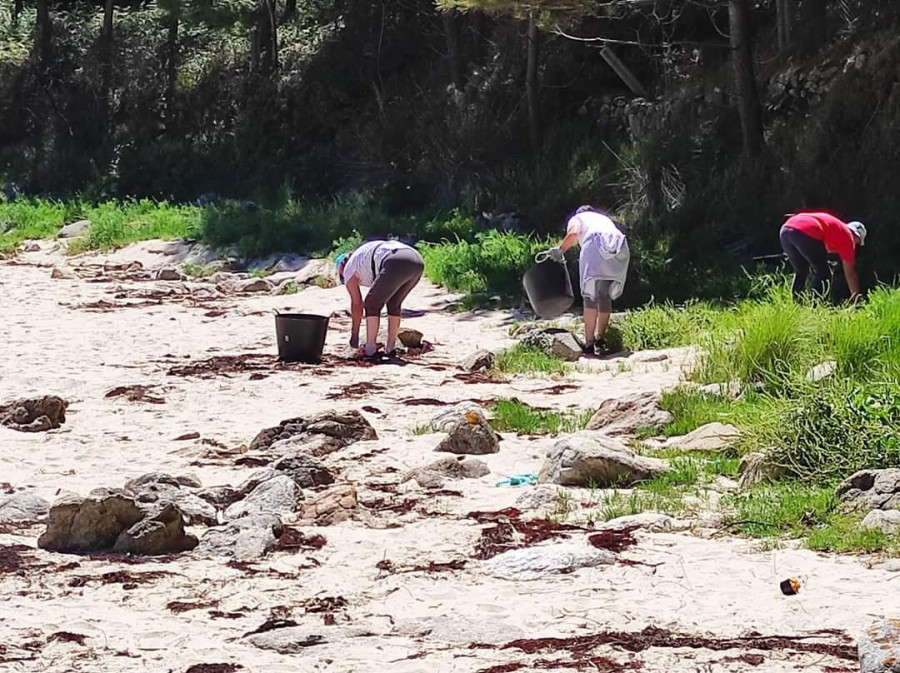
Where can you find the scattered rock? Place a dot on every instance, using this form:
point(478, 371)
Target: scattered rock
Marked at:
point(543, 496)
point(647, 357)
point(31, 246)
point(153, 490)
point(879, 648)
point(37, 414)
point(731, 389)
point(587, 458)
point(445, 420)
point(559, 343)
point(170, 275)
point(221, 496)
point(534, 563)
point(162, 533)
point(332, 506)
point(821, 371)
point(92, 523)
point(456, 630)
point(471, 435)
point(709, 437)
point(278, 495)
point(23, 507)
point(755, 468)
point(151, 481)
point(870, 489)
point(411, 338)
point(63, 273)
point(344, 427)
point(296, 639)
point(314, 270)
point(480, 360)
point(246, 286)
point(887, 521)
point(256, 478)
point(627, 415)
point(452, 468)
point(313, 445)
point(244, 539)
point(650, 521)
point(305, 470)
point(75, 229)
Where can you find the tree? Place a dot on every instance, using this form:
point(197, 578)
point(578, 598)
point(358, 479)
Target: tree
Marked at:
point(749, 106)
point(43, 33)
point(815, 25)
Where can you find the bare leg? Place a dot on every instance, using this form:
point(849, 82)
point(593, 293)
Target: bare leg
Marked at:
point(602, 324)
point(590, 325)
point(373, 324)
point(393, 330)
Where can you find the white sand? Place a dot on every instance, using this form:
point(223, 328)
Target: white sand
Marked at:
point(716, 586)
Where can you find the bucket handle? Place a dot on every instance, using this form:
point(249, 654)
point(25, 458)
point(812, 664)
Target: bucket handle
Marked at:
point(276, 312)
point(542, 257)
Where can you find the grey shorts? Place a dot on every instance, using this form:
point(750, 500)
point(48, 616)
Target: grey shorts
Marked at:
point(400, 272)
point(599, 298)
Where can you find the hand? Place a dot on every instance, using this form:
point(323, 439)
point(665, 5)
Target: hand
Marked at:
point(556, 254)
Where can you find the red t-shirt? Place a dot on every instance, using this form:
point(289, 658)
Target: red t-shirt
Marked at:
point(836, 235)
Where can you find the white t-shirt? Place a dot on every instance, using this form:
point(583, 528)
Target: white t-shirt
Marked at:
point(596, 226)
point(360, 263)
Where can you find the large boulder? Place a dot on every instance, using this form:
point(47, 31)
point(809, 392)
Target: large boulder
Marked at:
point(627, 415)
point(471, 435)
point(879, 648)
point(306, 471)
point(534, 563)
point(709, 437)
point(92, 523)
point(593, 459)
point(244, 539)
point(885, 520)
point(161, 533)
point(278, 495)
point(37, 414)
point(23, 507)
point(870, 489)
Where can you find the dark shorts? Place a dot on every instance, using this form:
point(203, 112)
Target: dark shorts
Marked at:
point(601, 299)
point(806, 254)
point(400, 272)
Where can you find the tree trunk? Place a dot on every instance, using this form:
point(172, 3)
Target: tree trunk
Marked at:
point(450, 21)
point(106, 64)
point(532, 85)
point(171, 67)
point(18, 6)
point(815, 23)
point(785, 14)
point(745, 78)
point(264, 48)
point(43, 31)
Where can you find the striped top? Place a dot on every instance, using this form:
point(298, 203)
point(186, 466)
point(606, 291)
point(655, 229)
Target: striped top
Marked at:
point(365, 262)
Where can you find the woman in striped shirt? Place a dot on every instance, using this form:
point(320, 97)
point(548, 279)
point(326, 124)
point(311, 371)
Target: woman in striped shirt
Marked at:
point(390, 270)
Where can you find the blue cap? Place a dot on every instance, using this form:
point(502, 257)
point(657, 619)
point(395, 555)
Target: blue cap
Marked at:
point(340, 259)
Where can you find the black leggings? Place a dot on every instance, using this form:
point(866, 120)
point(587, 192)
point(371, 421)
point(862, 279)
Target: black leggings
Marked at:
point(805, 253)
point(400, 272)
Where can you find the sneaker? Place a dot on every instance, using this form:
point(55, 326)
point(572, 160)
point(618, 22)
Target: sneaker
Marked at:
point(588, 350)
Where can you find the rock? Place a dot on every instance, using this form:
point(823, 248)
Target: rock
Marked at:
point(290, 263)
point(278, 495)
point(313, 445)
point(709, 437)
point(593, 459)
point(92, 523)
point(221, 496)
point(731, 389)
point(245, 286)
point(755, 468)
point(445, 420)
point(478, 361)
point(471, 435)
point(332, 506)
point(344, 427)
point(626, 415)
point(75, 229)
point(457, 630)
point(244, 539)
point(411, 338)
point(61, 273)
point(534, 563)
point(542, 497)
point(565, 346)
point(821, 371)
point(189, 481)
point(879, 648)
point(31, 246)
point(295, 639)
point(648, 357)
point(170, 275)
point(887, 521)
point(25, 507)
point(650, 521)
point(158, 488)
point(256, 478)
point(151, 481)
point(162, 533)
point(426, 479)
point(453, 468)
point(870, 489)
point(314, 270)
point(304, 470)
point(37, 414)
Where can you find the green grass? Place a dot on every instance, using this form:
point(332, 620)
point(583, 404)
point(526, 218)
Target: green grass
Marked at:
point(199, 270)
point(692, 408)
point(659, 326)
point(24, 219)
point(516, 416)
point(521, 359)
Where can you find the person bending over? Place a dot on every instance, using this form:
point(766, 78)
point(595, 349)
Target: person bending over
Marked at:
point(390, 270)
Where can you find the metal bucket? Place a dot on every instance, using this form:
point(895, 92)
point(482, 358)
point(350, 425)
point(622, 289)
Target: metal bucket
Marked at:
point(301, 337)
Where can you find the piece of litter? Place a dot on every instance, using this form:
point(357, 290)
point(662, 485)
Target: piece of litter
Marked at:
point(519, 480)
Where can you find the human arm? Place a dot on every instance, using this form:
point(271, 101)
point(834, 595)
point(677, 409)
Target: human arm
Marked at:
point(356, 308)
point(569, 241)
point(852, 278)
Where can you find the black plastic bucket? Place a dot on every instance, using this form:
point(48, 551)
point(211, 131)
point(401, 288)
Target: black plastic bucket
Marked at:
point(549, 288)
point(301, 336)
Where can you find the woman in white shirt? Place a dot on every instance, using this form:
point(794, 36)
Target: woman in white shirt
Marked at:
point(603, 267)
point(391, 270)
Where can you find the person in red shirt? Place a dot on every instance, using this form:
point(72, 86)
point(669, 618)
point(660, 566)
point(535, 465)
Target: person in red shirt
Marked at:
point(807, 238)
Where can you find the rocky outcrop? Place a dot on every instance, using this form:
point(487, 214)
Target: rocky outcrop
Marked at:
point(870, 489)
point(160, 533)
point(278, 495)
point(593, 459)
point(344, 428)
point(36, 414)
point(471, 435)
point(627, 415)
point(885, 520)
point(304, 470)
point(92, 523)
